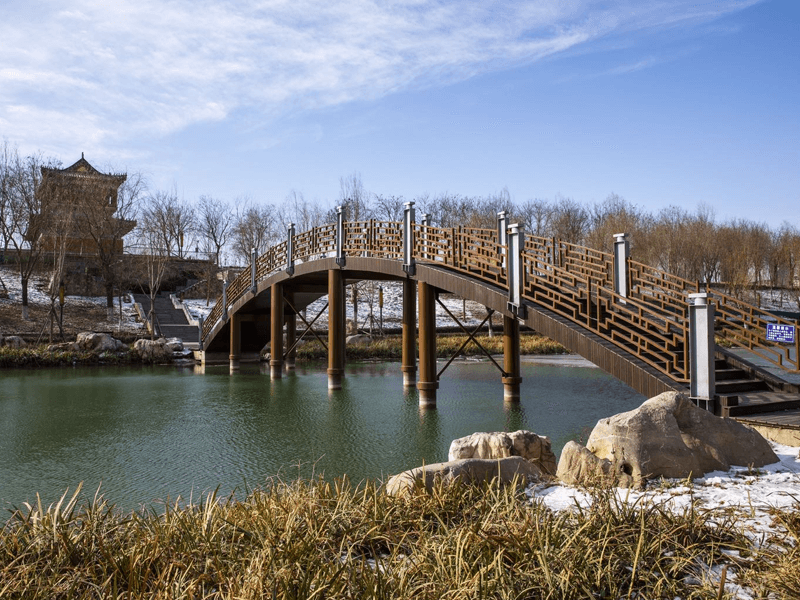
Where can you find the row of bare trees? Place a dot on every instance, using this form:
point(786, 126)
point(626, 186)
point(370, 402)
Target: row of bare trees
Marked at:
point(740, 254)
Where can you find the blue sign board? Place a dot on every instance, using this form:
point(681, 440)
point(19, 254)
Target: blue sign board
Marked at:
point(780, 333)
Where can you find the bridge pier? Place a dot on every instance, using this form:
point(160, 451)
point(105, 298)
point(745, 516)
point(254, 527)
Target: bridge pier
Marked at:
point(511, 360)
point(236, 342)
point(336, 329)
point(428, 380)
point(276, 331)
point(408, 363)
point(291, 333)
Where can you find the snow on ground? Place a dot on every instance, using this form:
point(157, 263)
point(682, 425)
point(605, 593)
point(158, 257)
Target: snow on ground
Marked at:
point(38, 294)
point(750, 494)
point(467, 312)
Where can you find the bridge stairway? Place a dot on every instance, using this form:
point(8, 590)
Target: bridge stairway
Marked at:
point(171, 321)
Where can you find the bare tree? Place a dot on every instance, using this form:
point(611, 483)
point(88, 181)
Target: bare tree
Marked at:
point(22, 228)
point(8, 160)
point(536, 216)
point(613, 215)
point(106, 225)
point(215, 220)
point(255, 226)
point(569, 221)
point(389, 208)
point(60, 232)
point(154, 244)
point(305, 215)
point(171, 219)
point(354, 200)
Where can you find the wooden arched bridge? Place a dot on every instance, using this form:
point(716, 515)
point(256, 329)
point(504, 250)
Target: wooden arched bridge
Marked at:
point(648, 328)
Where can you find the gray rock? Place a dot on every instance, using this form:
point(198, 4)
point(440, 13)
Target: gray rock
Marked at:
point(358, 340)
point(95, 342)
point(528, 445)
point(578, 466)
point(14, 341)
point(63, 347)
point(174, 345)
point(469, 470)
point(668, 436)
point(152, 350)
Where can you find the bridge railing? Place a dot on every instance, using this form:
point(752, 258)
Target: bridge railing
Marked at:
point(634, 325)
point(480, 255)
point(435, 244)
point(745, 326)
point(574, 281)
point(587, 262)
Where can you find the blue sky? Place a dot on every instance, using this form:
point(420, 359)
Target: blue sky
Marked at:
point(662, 102)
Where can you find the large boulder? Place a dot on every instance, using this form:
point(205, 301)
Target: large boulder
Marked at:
point(528, 445)
point(358, 339)
point(14, 341)
point(63, 347)
point(578, 466)
point(174, 345)
point(96, 342)
point(469, 470)
point(152, 350)
point(668, 436)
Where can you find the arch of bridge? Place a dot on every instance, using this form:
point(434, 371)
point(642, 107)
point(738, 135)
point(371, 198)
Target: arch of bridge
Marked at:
point(308, 282)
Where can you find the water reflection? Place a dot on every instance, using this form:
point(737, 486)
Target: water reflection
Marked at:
point(149, 433)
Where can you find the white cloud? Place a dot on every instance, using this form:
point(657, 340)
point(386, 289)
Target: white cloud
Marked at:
point(100, 73)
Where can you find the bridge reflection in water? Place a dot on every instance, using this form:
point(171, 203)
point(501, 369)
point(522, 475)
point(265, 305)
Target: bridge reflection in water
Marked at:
point(649, 328)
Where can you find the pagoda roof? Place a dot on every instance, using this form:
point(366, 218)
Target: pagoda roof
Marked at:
point(82, 169)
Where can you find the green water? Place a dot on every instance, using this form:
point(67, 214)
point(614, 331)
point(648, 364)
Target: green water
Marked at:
point(148, 434)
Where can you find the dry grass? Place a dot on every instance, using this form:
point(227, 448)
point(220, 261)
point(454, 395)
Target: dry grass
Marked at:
point(446, 345)
point(775, 565)
point(315, 539)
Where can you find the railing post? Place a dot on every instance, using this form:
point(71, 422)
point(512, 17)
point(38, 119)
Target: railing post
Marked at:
point(622, 251)
point(200, 321)
point(253, 259)
point(408, 239)
point(340, 259)
point(701, 351)
point(515, 272)
point(225, 300)
point(290, 249)
point(502, 235)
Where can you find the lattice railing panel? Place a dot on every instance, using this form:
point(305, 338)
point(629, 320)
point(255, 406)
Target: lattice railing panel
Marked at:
point(434, 244)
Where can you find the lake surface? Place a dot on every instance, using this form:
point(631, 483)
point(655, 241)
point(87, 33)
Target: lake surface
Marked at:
point(146, 434)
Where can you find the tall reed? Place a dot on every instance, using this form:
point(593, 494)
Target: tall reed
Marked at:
point(318, 539)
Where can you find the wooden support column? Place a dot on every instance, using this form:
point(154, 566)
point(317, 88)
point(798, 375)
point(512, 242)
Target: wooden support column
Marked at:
point(408, 363)
point(336, 329)
point(428, 380)
point(236, 341)
point(276, 331)
point(511, 360)
point(291, 333)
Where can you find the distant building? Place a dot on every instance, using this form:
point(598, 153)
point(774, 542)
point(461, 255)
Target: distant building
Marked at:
point(78, 210)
